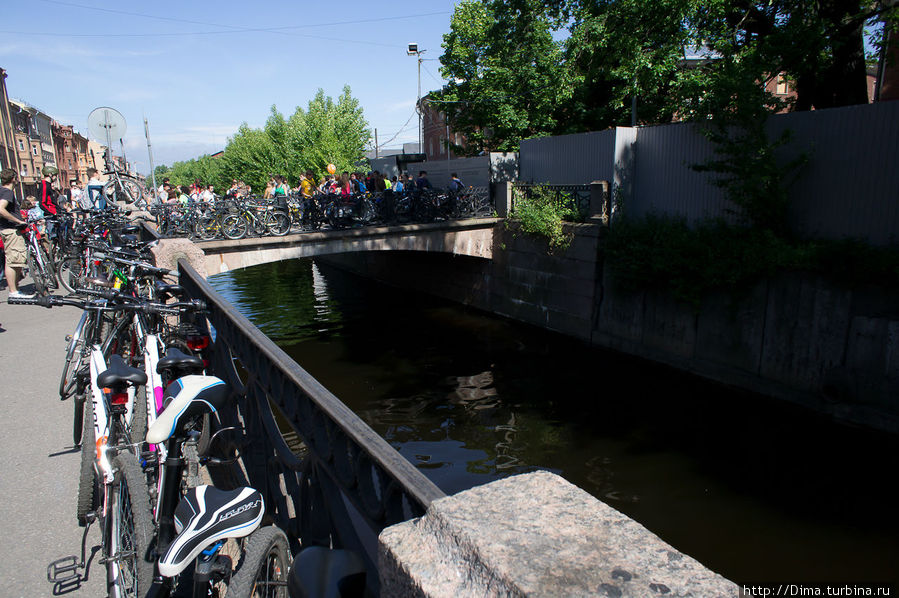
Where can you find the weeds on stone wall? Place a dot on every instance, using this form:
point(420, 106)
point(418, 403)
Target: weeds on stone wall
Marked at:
point(664, 254)
point(540, 214)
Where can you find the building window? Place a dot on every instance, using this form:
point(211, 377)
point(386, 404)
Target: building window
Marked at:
point(34, 150)
point(782, 88)
point(21, 145)
point(24, 170)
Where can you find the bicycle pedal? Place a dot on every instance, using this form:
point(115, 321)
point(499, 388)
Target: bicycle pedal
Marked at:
point(63, 570)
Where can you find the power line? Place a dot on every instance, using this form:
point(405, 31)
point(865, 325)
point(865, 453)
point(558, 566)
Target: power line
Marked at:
point(281, 30)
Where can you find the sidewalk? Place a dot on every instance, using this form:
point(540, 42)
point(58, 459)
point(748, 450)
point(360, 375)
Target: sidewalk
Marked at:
point(38, 465)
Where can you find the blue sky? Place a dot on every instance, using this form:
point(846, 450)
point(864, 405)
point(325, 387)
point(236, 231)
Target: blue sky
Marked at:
point(197, 70)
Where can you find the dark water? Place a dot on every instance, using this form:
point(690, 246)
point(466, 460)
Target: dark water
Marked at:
point(756, 489)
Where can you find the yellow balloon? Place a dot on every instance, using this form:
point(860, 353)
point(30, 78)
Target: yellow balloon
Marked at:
point(332, 169)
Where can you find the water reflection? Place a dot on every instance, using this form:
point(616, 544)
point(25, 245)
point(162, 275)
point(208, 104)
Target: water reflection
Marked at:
point(756, 489)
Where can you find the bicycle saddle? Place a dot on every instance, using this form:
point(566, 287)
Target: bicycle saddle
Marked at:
point(205, 515)
point(172, 290)
point(185, 399)
point(118, 373)
point(176, 359)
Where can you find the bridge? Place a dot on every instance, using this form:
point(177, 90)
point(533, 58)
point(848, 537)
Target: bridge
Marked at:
point(472, 237)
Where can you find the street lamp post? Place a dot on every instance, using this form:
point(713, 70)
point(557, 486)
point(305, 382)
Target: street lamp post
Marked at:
point(412, 50)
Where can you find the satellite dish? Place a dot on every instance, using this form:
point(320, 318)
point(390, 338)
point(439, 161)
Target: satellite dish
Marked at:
point(106, 124)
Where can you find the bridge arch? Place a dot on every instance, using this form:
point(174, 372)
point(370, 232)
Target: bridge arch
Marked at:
point(472, 237)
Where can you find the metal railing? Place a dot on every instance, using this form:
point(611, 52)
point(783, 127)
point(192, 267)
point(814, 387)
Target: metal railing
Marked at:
point(576, 198)
point(327, 478)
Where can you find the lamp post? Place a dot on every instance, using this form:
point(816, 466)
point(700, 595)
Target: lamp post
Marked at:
point(412, 50)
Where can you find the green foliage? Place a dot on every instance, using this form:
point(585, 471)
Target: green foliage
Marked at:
point(506, 73)
point(521, 68)
point(539, 213)
point(665, 254)
point(328, 132)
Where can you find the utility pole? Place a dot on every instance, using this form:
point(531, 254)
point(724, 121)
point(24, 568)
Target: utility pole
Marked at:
point(376, 144)
point(413, 50)
point(150, 153)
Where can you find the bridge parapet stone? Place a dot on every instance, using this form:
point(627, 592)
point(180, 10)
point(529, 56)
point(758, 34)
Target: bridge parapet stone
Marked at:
point(535, 535)
point(168, 251)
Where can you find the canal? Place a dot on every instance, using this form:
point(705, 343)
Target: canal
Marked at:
point(756, 489)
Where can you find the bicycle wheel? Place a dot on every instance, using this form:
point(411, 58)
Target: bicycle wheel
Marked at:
point(206, 228)
point(40, 286)
point(278, 223)
point(73, 359)
point(263, 568)
point(130, 530)
point(234, 227)
point(88, 485)
point(47, 268)
point(259, 225)
point(71, 274)
point(138, 430)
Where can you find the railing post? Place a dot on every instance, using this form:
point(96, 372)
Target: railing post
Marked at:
point(503, 202)
point(600, 207)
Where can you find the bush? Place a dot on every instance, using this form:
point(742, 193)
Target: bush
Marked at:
point(540, 214)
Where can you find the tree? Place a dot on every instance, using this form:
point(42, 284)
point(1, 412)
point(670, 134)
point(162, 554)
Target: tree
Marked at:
point(505, 70)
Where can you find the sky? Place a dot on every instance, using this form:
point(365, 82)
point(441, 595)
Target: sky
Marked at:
point(197, 70)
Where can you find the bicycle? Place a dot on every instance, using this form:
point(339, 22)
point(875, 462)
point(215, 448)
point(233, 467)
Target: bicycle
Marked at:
point(257, 218)
point(40, 265)
point(123, 187)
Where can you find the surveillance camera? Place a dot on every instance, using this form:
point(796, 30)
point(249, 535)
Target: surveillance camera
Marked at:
point(413, 49)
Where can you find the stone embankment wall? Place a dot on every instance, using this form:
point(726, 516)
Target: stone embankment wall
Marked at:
point(796, 337)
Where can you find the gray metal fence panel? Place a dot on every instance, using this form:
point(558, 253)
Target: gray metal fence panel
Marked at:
point(850, 185)
point(568, 159)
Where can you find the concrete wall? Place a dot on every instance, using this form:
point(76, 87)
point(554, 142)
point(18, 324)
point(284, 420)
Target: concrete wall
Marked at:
point(795, 337)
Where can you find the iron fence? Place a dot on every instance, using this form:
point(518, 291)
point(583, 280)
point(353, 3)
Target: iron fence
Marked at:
point(574, 198)
point(327, 478)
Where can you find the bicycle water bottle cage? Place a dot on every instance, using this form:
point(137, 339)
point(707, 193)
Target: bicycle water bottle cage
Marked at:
point(186, 399)
point(205, 515)
point(177, 361)
point(118, 374)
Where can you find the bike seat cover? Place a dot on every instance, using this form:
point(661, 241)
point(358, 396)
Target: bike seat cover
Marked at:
point(118, 373)
point(175, 359)
point(185, 399)
point(206, 515)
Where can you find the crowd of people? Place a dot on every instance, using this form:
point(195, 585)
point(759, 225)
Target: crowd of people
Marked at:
point(345, 184)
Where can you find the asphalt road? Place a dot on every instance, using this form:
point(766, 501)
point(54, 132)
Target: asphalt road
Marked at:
point(38, 464)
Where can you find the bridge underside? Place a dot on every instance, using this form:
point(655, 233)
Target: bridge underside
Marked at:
point(467, 237)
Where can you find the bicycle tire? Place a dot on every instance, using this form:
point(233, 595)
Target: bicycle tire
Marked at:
point(234, 227)
point(130, 531)
point(278, 223)
point(265, 561)
point(206, 228)
point(70, 273)
point(46, 268)
point(39, 286)
point(78, 422)
point(71, 364)
point(138, 431)
point(88, 491)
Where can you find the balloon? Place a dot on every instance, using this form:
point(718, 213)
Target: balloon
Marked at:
point(332, 169)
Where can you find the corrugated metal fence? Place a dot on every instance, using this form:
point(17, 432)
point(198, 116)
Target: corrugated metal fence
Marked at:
point(848, 188)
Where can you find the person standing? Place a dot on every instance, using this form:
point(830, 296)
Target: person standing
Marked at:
point(50, 202)
point(10, 222)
